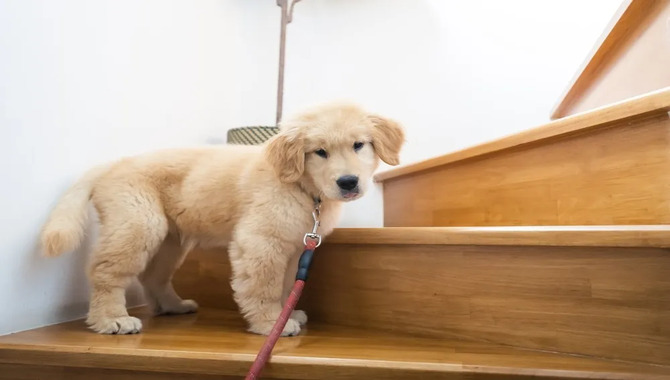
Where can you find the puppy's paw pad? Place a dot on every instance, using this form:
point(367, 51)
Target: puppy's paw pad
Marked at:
point(119, 325)
point(299, 316)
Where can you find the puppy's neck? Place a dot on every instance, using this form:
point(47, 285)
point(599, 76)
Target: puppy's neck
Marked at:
point(310, 190)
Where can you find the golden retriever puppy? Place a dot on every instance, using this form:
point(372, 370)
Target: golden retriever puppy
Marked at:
point(254, 200)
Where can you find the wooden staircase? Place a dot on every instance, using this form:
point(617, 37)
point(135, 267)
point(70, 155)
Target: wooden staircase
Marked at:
point(560, 269)
point(543, 255)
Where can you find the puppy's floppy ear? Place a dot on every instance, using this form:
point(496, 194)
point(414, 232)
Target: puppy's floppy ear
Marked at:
point(286, 153)
point(387, 139)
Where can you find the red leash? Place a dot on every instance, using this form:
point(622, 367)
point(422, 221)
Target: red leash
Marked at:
point(311, 240)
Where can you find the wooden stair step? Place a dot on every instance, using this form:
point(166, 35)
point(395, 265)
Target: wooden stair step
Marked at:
point(591, 290)
point(601, 291)
point(212, 344)
point(606, 166)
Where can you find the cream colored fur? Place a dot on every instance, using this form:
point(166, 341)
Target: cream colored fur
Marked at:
point(257, 201)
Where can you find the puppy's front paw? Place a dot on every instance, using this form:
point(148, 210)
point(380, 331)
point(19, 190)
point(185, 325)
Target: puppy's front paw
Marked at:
point(292, 328)
point(299, 316)
point(119, 325)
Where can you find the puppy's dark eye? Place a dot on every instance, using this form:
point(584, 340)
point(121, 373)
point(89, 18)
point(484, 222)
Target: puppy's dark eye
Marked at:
point(358, 145)
point(322, 153)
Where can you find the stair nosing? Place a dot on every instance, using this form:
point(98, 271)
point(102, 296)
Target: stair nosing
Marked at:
point(640, 236)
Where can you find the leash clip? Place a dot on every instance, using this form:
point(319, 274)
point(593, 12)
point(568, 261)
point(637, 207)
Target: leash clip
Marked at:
point(315, 215)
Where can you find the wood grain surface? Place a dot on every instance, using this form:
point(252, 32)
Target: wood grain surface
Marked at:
point(213, 343)
point(607, 302)
point(616, 175)
point(604, 302)
point(566, 236)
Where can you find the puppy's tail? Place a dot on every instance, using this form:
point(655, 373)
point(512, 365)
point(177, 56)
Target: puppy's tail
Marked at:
point(65, 228)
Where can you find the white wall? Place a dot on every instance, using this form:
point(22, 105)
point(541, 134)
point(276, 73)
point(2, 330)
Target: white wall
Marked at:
point(455, 73)
point(84, 81)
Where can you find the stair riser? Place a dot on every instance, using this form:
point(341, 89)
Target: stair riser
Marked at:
point(605, 302)
point(613, 174)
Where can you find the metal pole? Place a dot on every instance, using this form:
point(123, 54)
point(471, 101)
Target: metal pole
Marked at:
point(286, 17)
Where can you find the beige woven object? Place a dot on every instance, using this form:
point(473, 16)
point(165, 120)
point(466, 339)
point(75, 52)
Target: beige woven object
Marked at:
point(251, 135)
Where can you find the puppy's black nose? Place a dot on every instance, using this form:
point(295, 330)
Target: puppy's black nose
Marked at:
point(347, 182)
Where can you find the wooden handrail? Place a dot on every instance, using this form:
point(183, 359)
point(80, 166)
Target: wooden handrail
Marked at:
point(635, 40)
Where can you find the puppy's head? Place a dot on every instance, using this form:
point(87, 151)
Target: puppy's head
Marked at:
point(334, 149)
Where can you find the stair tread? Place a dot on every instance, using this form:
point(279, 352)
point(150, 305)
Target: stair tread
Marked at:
point(214, 342)
point(569, 236)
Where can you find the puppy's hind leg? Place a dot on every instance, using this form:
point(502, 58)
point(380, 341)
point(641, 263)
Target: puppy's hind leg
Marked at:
point(157, 280)
point(133, 226)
